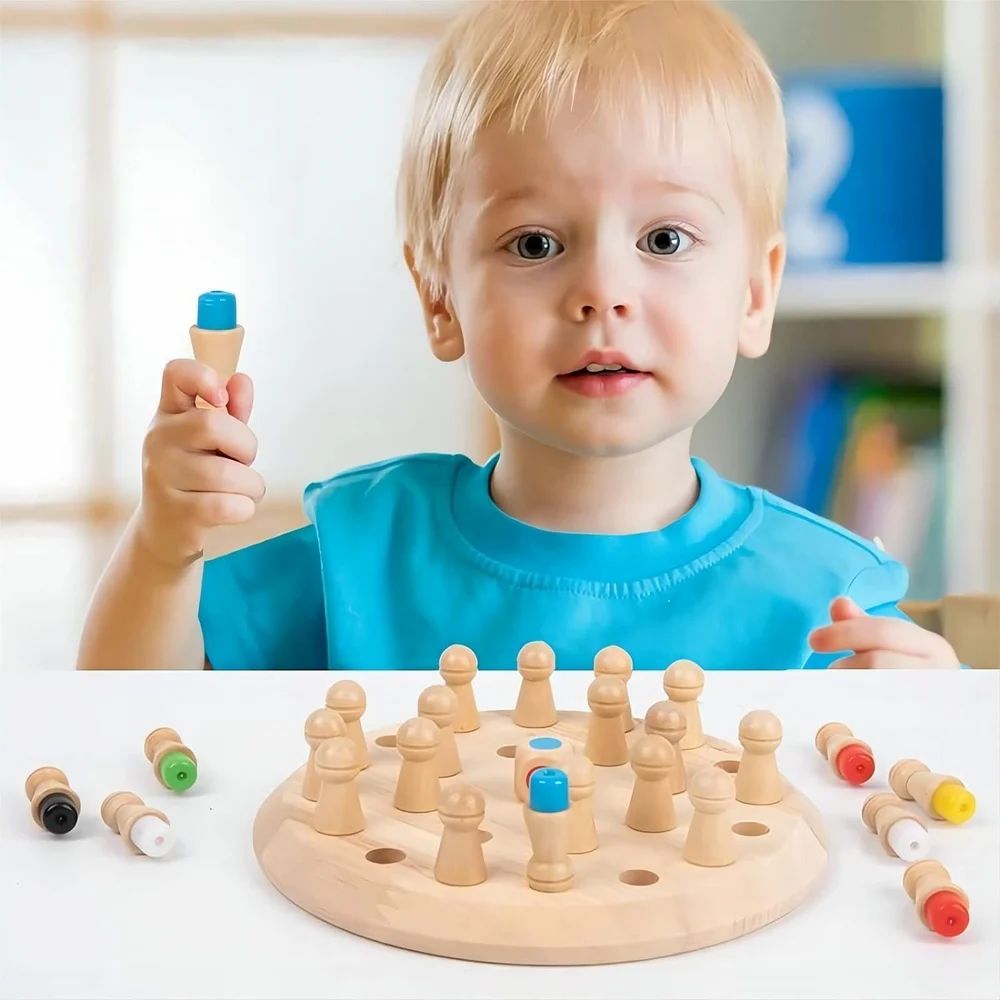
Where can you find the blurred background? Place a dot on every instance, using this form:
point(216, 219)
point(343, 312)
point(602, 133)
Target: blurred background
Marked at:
point(150, 151)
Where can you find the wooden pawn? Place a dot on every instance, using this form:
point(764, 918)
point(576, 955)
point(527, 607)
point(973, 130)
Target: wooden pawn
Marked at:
point(338, 810)
point(347, 697)
point(606, 745)
point(54, 805)
point(174, 764)
point(851, 759)
point(663, 718)
point(458, 667)
point(323, 724)
point(941, 796)
point(942, 906)
point(440, 704)
point(651, 807)
point(144, 830)
point(535, 708)
point(710, 840)
point(418, 787)
point(613, 661)
point(758, 782)
point(683, 683)
point(460, 859)
point(899, 830)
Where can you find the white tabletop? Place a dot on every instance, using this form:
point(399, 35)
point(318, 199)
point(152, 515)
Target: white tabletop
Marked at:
point(82, 917)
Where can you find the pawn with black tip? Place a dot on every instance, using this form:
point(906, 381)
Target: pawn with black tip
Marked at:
point(54, 805)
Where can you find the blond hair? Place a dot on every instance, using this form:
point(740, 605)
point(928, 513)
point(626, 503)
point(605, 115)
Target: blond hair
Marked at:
point(505, 60)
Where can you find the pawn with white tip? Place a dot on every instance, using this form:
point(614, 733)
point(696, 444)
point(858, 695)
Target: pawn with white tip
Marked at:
point(900, 831)
point(144, 829)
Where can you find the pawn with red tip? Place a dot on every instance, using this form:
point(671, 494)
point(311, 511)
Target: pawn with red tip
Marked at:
point(851, 759)
point(943, 906)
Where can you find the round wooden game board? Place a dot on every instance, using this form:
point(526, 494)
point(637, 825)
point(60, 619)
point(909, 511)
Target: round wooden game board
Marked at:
point(632, 898)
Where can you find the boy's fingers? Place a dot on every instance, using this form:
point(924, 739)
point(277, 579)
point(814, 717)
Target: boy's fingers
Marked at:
point(213, 431)
point(880, 659)
point(870, 633)
point(184, 379)
point(845, 607)
point(240, 390)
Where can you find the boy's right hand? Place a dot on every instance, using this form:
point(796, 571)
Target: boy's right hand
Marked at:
point(196, 462)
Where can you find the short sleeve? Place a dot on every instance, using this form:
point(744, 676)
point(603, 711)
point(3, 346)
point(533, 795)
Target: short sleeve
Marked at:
point(262, 606)
point(878, 589)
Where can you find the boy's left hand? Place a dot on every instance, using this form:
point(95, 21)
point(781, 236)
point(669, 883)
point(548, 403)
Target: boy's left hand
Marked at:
point(879, 642)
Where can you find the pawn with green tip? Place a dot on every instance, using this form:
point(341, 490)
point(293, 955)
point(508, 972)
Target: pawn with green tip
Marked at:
point(174, 764)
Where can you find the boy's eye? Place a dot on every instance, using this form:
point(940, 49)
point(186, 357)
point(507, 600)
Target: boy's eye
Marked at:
point(663, 241)
point(535, 246)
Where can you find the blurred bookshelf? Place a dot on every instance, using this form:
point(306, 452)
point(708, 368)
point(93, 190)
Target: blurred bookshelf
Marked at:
point(879, 407)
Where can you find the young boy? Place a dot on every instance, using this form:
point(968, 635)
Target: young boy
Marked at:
point(592, 197)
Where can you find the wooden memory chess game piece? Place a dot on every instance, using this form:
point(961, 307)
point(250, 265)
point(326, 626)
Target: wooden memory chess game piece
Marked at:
point(663, 718)
point(460, 859)
point(418, 787)
point(458, 667)
point(582, 828)
point(338, 809)
point(546, 814)
point(54, 805)
point(899, 831)
point(758, 782)
point(174, 764)
point(606, 744)
point(710, 841)
point(217, 338)
point(941, 796)
point(347, 697)
point(535, 752)
point(851, 758)
point(613, 661)
point(683, 683)
point(323, 724)
point(943, 907)
point(144, 830)
point(440, 704)
point(651, 808)
point(535, 708)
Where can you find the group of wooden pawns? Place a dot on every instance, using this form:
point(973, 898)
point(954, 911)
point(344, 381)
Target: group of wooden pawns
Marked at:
point(55, 806)
point(554, 782)
point(943, 907)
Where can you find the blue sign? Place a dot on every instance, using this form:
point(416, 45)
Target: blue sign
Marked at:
point(866, 169)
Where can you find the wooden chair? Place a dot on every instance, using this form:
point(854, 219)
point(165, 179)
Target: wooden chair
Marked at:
point(970, 622)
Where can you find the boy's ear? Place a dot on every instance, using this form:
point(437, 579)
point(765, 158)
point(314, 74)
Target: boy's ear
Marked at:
point(443, 329)
point(762, 297)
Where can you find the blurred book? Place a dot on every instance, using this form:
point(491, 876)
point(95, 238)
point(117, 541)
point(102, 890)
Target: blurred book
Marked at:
point(867, 454)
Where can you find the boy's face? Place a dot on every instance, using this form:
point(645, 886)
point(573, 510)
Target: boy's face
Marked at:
point(577, 243)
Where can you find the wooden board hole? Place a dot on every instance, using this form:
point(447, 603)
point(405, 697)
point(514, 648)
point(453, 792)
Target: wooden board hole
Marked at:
point(385, 855)
point(750, 829)
point(507, 751)
point(386, 741)
point(729, 766)
point(638, 876)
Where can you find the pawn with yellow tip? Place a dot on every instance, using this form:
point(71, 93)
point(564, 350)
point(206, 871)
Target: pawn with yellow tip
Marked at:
point(941, 796)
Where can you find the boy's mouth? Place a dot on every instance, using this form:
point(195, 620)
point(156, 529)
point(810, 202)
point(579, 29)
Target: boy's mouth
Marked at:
point(602, 383)
point(602, 364)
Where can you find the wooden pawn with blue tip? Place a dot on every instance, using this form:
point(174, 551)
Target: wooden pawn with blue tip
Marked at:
point(546, 814)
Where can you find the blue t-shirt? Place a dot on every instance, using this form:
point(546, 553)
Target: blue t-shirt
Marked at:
point(405, 557)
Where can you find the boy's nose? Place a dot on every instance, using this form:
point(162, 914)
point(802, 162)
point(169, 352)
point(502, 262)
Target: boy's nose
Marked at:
point(598, 294)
